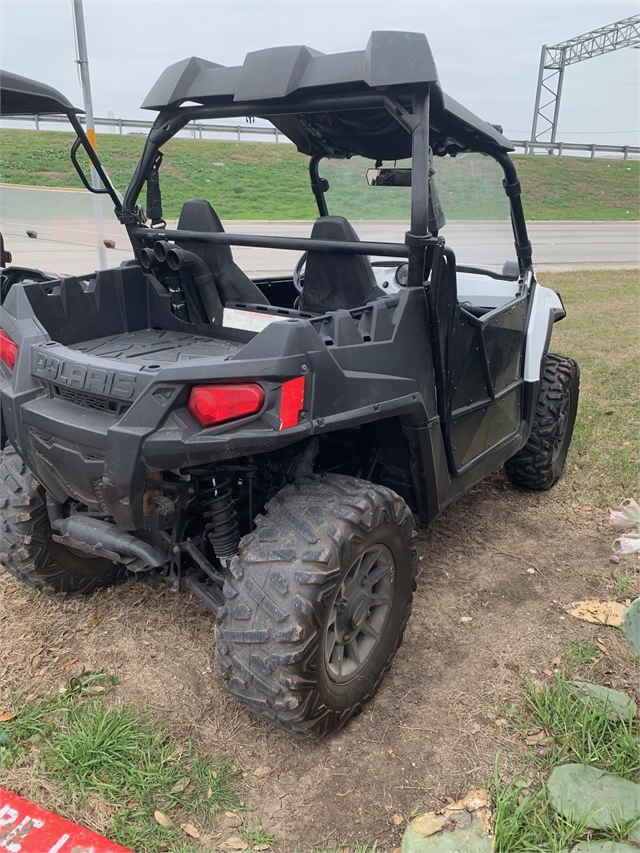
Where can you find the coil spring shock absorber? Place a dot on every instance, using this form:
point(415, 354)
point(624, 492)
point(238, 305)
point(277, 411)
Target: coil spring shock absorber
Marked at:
point(222, 524)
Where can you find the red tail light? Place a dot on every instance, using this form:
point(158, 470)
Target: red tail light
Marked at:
point(291, 402)
point(8, 350)
point(216, 404)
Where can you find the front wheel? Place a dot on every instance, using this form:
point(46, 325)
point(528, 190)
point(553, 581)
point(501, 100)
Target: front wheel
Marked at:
point(318, 601)
point(540, 463)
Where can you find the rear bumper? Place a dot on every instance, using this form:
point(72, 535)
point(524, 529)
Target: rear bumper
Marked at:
point(100, 450)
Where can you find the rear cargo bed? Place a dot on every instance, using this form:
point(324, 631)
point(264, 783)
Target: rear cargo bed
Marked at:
point(151, 347)
point(123, 311)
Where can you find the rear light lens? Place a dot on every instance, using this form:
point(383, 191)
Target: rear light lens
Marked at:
point(291, 402)
point(217, 404)
point(8, 350)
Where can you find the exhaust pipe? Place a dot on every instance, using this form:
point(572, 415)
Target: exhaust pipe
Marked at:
point(160, 250)
point(147, 258)
point(196, 309)
point(103, 539)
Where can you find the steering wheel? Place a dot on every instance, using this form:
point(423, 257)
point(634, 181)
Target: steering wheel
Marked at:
point(298, 275)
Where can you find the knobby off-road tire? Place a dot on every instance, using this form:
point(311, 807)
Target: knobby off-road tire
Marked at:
point(540, 463)
point(330, 564)
point(27, 550)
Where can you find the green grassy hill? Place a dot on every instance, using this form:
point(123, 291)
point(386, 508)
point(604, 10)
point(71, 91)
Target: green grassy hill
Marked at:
point(266, 181)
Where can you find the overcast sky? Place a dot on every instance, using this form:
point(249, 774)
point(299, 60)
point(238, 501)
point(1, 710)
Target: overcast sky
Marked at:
point(487, 51)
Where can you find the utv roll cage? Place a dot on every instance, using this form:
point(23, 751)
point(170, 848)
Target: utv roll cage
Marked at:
point(382, 103)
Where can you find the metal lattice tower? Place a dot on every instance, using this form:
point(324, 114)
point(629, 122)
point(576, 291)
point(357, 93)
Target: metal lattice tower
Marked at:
point(554, 60)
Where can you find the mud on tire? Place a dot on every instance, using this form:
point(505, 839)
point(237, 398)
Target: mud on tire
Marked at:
point(27, 550)
point(540, 463)
point(296, 577)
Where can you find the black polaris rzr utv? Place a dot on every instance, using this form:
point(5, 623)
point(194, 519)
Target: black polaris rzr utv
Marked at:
point(267, 443)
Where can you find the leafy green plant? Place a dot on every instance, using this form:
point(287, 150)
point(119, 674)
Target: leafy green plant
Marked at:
point(525, 821)
point(577, 731)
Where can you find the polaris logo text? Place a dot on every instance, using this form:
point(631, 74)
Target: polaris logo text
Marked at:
point(93, 380)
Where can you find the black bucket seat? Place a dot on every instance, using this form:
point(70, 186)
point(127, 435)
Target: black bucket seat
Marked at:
point(333, 280)
point(233, 285)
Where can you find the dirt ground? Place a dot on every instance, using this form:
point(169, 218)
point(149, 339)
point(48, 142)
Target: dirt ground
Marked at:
point(512, 561)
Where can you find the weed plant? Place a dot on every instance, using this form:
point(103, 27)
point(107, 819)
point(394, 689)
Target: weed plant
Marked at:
point(581, 653)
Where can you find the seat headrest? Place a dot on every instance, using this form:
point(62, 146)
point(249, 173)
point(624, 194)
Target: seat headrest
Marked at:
point(334, 228)
point(198, 215)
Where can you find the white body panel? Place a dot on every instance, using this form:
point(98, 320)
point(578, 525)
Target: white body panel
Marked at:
point(545, 303)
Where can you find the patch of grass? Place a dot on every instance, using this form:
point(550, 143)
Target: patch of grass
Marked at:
point(566, 188)
point(601, 333)
point(525, 820)
point(560, 728)
point(579, 731)
point(624, 583)
point(121, 759)
point(581, 653)
point(255, 836)
point(621, 828)
point(255, 181)
point(265, 181)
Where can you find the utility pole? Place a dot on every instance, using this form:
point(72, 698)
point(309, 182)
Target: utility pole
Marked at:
point(83, 63)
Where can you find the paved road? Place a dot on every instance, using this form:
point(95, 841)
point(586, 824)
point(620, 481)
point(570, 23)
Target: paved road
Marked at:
point(556, 245)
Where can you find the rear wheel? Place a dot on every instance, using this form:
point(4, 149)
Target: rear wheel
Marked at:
point(27, 549)
point(318, 601)
point(540, 463)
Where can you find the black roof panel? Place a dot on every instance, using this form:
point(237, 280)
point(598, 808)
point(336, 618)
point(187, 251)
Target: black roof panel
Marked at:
point(270, 82)
point(22, 96)
point(390, 59)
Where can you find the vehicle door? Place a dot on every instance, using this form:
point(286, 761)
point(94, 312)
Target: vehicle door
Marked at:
point(478, 322)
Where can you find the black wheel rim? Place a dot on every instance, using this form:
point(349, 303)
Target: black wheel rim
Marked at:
point(359, 614)
point(561, 429)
